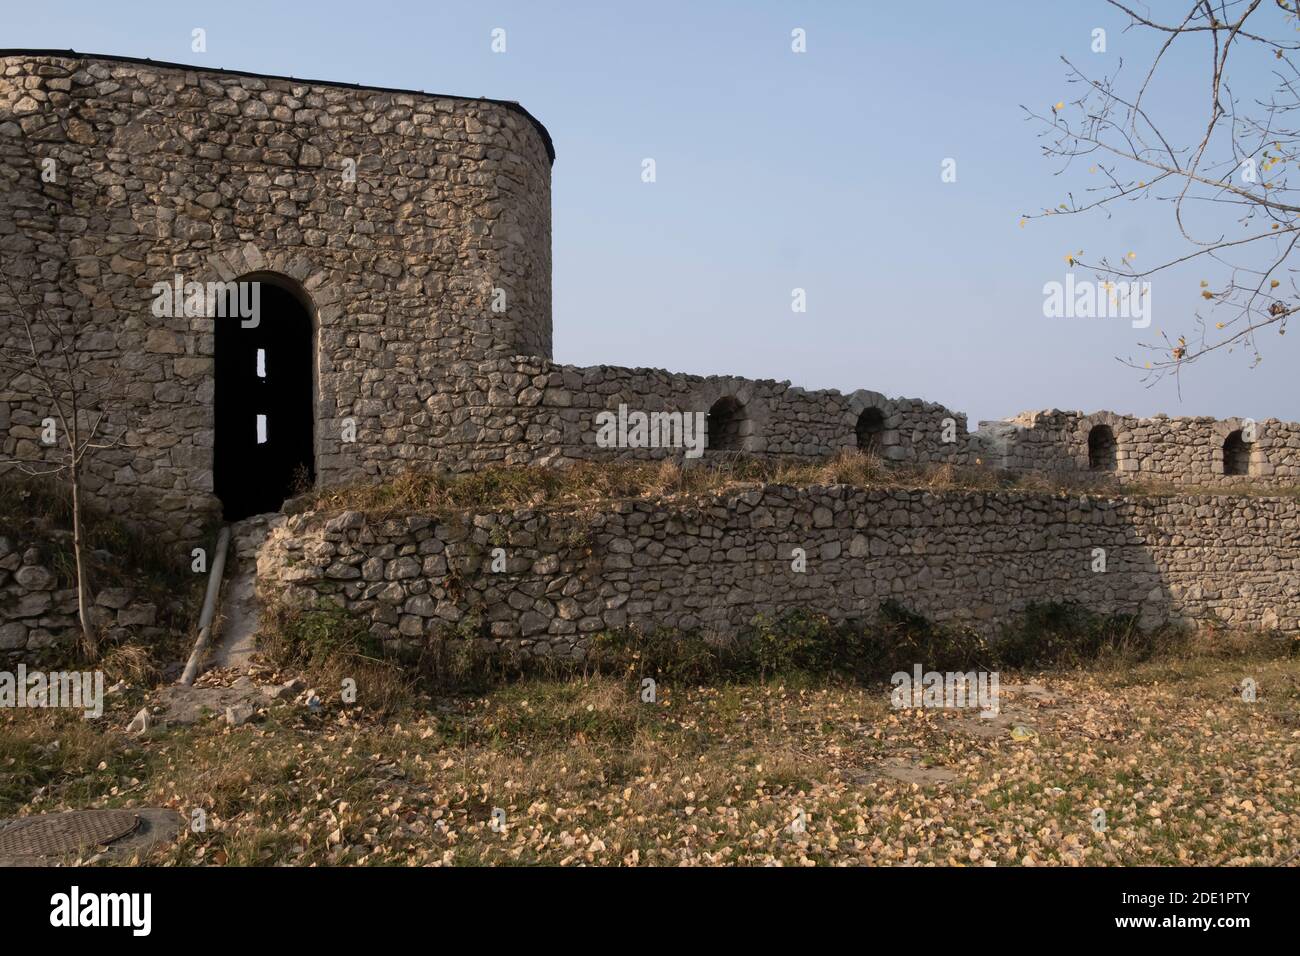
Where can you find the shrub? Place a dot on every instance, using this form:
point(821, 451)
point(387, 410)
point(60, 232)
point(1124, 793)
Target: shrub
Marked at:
point(797, 640)
point(802, 640)
point(907, 638)
point(665, 654)
point(331, 645)
point(1070, 635)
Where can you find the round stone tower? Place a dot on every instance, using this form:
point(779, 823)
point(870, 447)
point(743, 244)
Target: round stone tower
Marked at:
point(412, 230)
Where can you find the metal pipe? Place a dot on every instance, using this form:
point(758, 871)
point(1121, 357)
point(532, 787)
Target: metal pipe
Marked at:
point(209, 608)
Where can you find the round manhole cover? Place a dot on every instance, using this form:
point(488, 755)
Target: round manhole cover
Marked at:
point(57, 834)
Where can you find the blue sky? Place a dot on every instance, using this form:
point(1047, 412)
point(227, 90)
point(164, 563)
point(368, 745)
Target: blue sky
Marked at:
point(778, 170)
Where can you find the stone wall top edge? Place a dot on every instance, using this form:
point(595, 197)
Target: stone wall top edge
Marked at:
point(755, 496)
point(1021, 418)
point(36, 55)
point(691, 378)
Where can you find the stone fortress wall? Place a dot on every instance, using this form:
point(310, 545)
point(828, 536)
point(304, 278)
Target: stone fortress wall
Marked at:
point(216, 176)
point(712, 565)
point(38, 610)
point(414, 229)
point(524, 411)
point(163, 170)
point(1177, 451)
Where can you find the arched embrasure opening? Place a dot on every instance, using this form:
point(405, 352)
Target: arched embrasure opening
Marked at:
point(723, 426)
point(1103, 452)
point(871, 424)
point(1236, 455)
point(263, 446)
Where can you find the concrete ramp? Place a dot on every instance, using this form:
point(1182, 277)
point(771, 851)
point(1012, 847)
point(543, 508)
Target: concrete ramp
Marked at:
point(237, 626)
point(240, 608)
point(234, 623)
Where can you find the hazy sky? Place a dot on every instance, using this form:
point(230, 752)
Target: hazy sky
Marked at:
point(778, 170)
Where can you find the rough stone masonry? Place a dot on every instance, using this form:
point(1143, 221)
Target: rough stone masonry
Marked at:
point(713, 565)
point(413, 231)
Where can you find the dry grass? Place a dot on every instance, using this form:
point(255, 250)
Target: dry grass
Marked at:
point(329, 646)
point(585, 773)
point(132, 663)
point(594, 483)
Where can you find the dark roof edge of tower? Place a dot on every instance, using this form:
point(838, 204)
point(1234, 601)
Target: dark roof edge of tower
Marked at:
point(168, 65)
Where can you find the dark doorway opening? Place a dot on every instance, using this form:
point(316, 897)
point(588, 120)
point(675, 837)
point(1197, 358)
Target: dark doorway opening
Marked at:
point(1236, 455)
point(871, 423)
point(263, 406)
point(723, 426)
point(1103, 452)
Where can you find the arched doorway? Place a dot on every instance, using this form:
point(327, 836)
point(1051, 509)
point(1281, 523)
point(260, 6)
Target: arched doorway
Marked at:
point(1103, 452)
point(724, 425)
point(1236, 455)
point(871, 423)
point(263, 404)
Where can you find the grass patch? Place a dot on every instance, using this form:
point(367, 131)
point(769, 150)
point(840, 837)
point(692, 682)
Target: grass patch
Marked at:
point(61, 756)
point(331, 648)
point(809, 643)
point(585, 772)
point(507, 487)
point(1068, 635)
point(800, 647)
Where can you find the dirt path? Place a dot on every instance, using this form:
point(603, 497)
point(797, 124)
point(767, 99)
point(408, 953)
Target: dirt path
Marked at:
point(237, 635)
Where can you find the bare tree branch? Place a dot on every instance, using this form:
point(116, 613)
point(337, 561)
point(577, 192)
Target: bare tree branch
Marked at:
point(1242, 160)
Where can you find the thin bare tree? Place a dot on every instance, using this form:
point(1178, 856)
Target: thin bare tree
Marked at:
point(1238, 169)
point(42, 358)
